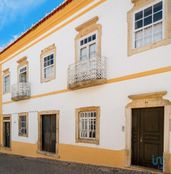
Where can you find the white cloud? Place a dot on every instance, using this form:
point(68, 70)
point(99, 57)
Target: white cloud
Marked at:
point(11, 9)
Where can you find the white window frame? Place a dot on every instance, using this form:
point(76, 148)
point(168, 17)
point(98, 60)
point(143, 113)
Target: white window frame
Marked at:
point(19, 72)
point(5, 89)
point(152, 24)
point(86, 120)
point(20, 124)
point(52, 65)
point(87, 45)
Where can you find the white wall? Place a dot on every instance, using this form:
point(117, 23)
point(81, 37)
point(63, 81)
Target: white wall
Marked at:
point(112, 98)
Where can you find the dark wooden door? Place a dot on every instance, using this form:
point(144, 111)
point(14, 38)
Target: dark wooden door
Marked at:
point(49, 133)
point(147, 137)
point(7, 142)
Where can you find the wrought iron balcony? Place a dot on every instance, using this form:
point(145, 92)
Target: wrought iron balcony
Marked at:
point(87, 73)
point(21, 91)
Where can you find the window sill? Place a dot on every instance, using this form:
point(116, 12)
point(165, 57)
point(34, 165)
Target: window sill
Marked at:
point(163, 42)
point(88, 141)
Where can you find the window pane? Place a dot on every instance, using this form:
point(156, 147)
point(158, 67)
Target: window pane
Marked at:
point(157, 30)
point(148, 11)
point(148, 35)
point(48, 72)
point(138, 15)
point(138, 24)
point(158, 16)
point(147, 20)
point(83, 53)
point(94, 37)
point(158, 7)
point(139, 39)
point(92, 50)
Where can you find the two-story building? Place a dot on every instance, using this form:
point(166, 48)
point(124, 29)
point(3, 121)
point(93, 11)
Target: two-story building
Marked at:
point(91, 83)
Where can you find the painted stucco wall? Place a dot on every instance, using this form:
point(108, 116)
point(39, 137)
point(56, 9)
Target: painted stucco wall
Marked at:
point(112, 98)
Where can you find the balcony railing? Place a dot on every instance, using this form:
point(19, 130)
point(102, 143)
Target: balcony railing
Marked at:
point(87, 73)
point(21, 91)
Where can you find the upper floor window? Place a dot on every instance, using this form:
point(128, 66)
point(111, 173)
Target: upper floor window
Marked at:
point(6, 82)
point(148, 25)
point(23, 74)
point(88, 40)
point(48, 66)
point(88, 46)
point(48, 63)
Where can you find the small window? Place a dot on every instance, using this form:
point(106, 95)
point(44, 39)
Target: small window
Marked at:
point(23, 74)
point(48, 67)
point(22, 130)
point(6, 82)
point(88, 125)
point(148, 25)
point(88, 46)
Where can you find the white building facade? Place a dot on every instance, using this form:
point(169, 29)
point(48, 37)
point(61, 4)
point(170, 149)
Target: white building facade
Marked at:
point(91, 83)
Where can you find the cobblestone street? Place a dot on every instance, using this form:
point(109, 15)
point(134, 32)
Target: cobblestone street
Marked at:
point(10, 164)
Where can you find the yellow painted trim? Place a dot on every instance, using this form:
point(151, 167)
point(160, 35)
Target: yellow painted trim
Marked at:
point(81, 154)
point(4, 58)
point(113, 80)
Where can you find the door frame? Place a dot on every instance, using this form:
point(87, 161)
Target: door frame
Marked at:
point(148, 100)
point(3, 121)
point(56, 155)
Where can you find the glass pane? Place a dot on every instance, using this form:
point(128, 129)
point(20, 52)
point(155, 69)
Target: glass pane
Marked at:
point(138, 15)
point(148, 35)
point(139, 35)
point(147, 20)
point(92, 50)
point(85, 41)
point(48, 72)
point(83, 53)
point(94, 37)
point(148, 11)
point(81, 42)
point(138, 24)
point(157, 16)
point(23, 77)
point(157, 30)
point(158, 7)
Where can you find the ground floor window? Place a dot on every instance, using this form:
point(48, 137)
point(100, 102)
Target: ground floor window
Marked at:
point(23, 124)
point(87, 125)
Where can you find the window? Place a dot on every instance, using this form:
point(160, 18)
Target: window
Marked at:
point(6, 84)
point(88, 125)
point(88, 47)
point(148, 25)
point(22, 130)
point(48, 67)
point(23, 74)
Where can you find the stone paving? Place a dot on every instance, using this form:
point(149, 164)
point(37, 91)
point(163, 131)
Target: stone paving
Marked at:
point(11, 164)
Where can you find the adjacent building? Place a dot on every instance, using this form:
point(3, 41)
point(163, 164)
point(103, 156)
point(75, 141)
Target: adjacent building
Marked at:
point(91, 83)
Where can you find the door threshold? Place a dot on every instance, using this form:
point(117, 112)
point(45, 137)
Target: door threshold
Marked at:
point(141, 168)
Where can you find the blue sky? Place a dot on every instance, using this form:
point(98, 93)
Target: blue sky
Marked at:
point(16, 16)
